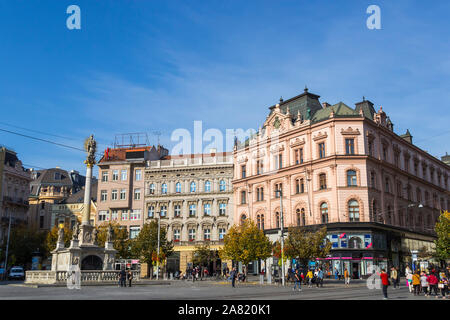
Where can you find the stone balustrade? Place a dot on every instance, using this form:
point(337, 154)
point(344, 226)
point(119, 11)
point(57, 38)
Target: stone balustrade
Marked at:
point(87, 276)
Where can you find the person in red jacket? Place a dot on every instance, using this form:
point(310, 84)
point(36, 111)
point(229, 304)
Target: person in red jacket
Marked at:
point(433, 281)
point(385, 282)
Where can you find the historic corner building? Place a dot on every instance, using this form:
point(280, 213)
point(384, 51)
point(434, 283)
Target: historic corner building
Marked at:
point(378, 194)
point(193, 197)
point(14, 190)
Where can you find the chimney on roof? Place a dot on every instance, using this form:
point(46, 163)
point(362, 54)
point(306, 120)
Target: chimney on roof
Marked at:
point(213, 151)
point(325, 104)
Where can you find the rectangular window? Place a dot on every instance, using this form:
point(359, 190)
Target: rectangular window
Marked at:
point(177, 210)
point(125, 215)
point(350, 146)
point(322, 150)
point(151, 211)
point(102, 215)
point(243, 172)
point(123, 194)
point(137, 194)
point(135, 214)
point(114, 215)
point(222, 233)
point(104, 176)
point(323, 181)
point(192, 210)
point(134, 232)
point(163, 211)
point(114, 195)
point(370, 148)
point(103, 195)
point(298, 155)
point(243, 197)
point(191, 234)
point(124, 175)
point(176, 235)
point(138, 175)
point(222, 209)
point(278, 189)
point(207, 209)
point(115, 175)
point(207, 234)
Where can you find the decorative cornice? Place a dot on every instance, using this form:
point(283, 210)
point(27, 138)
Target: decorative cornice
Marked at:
point(350, 131)
point(320, 136)
point(297, 142)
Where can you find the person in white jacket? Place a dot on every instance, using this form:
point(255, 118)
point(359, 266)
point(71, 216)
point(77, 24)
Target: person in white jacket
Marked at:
point(409, 274)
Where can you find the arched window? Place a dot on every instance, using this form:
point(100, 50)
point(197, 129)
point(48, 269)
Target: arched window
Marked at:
point(324, 212)
point(243, 218)
point(303, 217)
point(152, 188)
point(353, 210)
point(222, 185)
point(207, 186)
point(178, 187)
point(277, 219)
point(262, 222)
point(298, 217)
point(355, 243)
point(258, 221)
point(351, 178)
point(193, 186)
point(164, 188)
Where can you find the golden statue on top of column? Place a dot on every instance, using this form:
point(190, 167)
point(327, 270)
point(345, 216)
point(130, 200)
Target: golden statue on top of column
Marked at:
point(90, 145)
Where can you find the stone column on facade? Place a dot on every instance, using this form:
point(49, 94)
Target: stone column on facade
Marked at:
point(288, 215)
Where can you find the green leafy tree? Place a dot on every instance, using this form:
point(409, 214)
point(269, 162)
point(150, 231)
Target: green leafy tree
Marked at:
point(306, 246)
point(145, 244)
point(121, 240)
point(442, 229)
point(22, 243)
point(202, 255)
point(246, 243)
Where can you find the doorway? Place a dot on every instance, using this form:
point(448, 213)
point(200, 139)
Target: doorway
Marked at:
point(355, 270)
point(92, 263)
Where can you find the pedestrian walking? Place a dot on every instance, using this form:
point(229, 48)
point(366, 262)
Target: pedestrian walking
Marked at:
point(443, 285)
point(129, 277)
point(394, 276)
point(319, 278)
point(122, 278)
point(433, 281)
point(408, 273)
point(346, 277)
point(385, 283)
point(309, 277)
point(424, 283)
point(233, 277)
point(336, 274)
point(297, 281)
point(416, 282)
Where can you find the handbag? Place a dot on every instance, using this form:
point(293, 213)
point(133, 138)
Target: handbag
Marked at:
point(441, 286)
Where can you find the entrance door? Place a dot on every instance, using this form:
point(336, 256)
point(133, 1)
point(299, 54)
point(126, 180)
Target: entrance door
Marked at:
point(355, 270)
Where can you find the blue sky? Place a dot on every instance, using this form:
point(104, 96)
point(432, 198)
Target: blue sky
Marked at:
point(146, 66)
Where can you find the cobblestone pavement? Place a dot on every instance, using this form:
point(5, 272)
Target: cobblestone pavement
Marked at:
point(205, 290)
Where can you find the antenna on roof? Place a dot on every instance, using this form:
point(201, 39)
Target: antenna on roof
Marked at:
point(158, 134)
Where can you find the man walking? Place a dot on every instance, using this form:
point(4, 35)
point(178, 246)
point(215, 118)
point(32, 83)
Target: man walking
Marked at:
point(129, 277)
point(385, 283)
point(319, 278)
point(297, 281)
point(122, 277)
point(394, 275)
point(233, 277)
point(346, 277)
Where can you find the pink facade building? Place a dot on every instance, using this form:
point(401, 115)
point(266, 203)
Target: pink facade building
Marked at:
point(338, 166)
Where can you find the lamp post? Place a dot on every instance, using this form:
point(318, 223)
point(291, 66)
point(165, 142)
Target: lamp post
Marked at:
point(7, 246)
point(282, 236)
point(157, 257)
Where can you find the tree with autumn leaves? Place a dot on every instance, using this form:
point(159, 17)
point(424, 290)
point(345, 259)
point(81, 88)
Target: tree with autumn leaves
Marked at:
point(246, 243)
point(442, 242)
point(305, 245)
point(121, 241)
point(145, 245)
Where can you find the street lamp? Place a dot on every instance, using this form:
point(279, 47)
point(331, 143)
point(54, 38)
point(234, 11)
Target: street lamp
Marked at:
point(157, 257)
point(7, 246)
point(282, 235)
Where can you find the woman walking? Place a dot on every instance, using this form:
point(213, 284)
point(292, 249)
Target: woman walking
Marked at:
point(309, 276)
point(416, 282)
point(346, 277)
point(408, 273)
point(424, 283)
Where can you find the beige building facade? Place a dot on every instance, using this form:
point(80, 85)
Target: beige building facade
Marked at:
point(193, 196)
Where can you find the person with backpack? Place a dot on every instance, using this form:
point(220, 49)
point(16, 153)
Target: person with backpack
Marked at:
point(433, 281)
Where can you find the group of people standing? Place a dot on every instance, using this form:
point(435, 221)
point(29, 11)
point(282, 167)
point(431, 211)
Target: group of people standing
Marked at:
point(428, 282)
point(311, 277)
point(124, 276)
